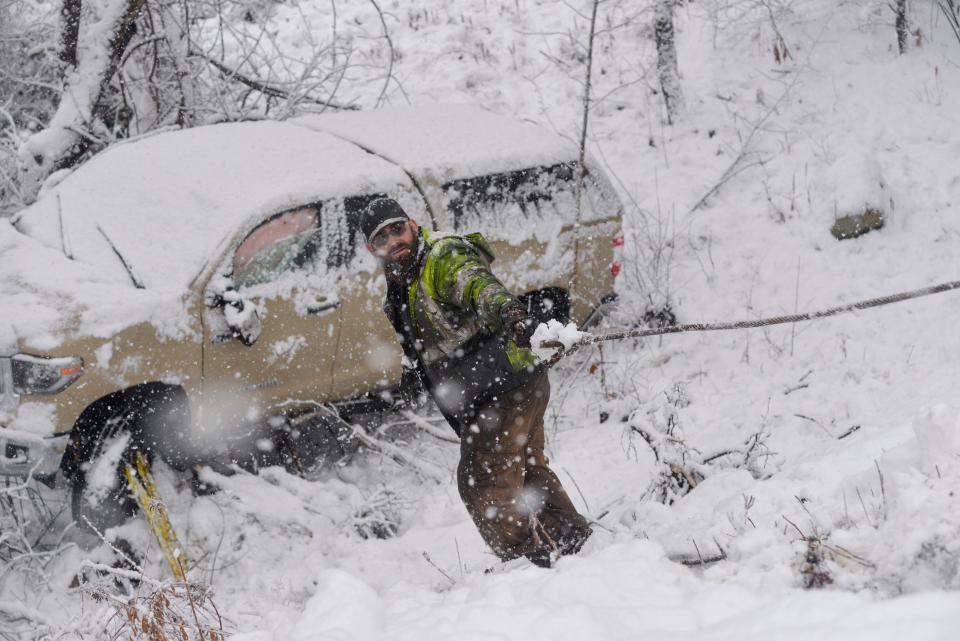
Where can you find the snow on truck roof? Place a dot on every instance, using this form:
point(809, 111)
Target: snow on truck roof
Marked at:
point(447, 141)
point(168, 203)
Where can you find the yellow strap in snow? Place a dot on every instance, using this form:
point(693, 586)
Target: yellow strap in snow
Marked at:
point(144, 489)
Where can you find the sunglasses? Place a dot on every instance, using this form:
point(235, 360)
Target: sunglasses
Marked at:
point(395, 229)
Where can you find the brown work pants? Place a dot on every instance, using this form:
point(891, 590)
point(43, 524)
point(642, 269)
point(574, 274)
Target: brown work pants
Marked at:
point(515, 500)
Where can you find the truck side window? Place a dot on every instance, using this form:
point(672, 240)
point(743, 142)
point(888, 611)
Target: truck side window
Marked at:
point(341, 223)
point(501, 201)
point(286, 242)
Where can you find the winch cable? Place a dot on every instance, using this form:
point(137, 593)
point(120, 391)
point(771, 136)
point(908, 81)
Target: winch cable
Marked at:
point(590, 339)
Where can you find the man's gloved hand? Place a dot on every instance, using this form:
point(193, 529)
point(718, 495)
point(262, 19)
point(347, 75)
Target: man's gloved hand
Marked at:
point(518, 325)
point(412, 392)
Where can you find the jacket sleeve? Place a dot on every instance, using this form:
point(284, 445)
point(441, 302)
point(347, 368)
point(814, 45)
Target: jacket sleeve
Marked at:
point(460, 276)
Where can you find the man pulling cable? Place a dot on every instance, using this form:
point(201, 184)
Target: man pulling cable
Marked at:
point(467, 339)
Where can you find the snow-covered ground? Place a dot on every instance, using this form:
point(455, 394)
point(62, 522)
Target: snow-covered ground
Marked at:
point(844, 433)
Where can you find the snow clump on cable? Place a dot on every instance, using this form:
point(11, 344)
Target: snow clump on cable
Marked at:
point(553, 331)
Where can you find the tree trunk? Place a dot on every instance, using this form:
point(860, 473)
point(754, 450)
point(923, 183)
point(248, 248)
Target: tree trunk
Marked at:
point(582, 173)
point(903, 27)
point(96, 52)
point(69, 32)
point(667, 59)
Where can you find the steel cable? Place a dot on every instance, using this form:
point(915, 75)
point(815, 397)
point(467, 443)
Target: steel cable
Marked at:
point(759, 322)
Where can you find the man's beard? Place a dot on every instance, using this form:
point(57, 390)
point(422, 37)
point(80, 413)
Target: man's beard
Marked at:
point(401, 268)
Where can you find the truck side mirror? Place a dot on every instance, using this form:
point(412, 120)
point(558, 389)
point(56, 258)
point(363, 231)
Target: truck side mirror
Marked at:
point(243, 318)
point(242, 315)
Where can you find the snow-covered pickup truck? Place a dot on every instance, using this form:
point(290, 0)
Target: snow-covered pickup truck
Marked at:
point(183, 284)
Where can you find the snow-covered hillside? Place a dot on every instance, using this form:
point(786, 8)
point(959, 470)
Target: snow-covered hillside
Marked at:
point(828, 450)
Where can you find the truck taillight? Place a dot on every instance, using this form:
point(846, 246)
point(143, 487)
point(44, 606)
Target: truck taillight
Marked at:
point(42, 375)
point(617, 266)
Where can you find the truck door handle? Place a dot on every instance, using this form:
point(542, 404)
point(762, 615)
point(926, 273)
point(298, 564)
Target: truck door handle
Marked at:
point(320, 307)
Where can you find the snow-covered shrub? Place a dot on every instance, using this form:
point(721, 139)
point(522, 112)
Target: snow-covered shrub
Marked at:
point(916, 543)
point(30, 541)
point(169, 64)
point(379, 517)
point(170, 612)
point(24, 514)
point(814, 569)
point(28, 58)
point(28, 87)
point(680, 464)
point(648, 257)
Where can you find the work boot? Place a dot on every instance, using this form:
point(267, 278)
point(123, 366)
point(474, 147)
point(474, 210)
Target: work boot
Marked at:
point(572, 540)
point(553, 535)
point(566, 532)
point(539, 547)
point(541, 558)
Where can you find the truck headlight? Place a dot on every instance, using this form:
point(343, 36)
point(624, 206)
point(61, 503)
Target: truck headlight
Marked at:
point(42, 375)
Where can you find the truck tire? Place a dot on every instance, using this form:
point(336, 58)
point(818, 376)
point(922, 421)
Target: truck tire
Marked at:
point(100, 498)
point(149, 418)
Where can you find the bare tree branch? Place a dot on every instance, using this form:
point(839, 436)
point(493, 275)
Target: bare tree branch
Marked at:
point(386, 35)
point(265, 88)
point(582, 173)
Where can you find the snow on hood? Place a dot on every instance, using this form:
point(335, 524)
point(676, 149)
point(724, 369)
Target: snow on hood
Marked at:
point(449, 141)
point(170, 202)
point(47, 296)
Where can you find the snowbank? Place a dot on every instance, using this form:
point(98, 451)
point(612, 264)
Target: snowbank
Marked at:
point(628, 590)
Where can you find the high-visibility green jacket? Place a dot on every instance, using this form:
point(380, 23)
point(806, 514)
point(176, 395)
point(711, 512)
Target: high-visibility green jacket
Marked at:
point(449, 320)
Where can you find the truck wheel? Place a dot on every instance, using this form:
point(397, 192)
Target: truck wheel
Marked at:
point(152, 418)
point(100, 497)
